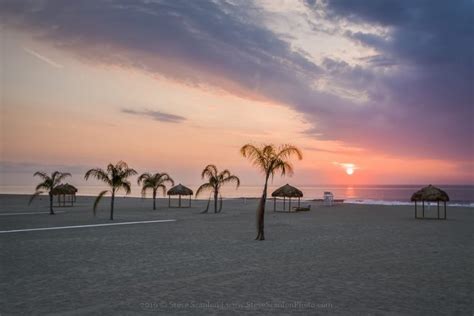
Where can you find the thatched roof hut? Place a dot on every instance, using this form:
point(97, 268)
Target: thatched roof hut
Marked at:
point(179, 190)
point(286, 191)
point(65, 189)
point(429, 194)
point(67, 192)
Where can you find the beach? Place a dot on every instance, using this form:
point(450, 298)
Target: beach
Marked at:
point(345, 259)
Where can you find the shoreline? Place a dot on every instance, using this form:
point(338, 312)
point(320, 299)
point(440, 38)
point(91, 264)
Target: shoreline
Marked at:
point(358, 201)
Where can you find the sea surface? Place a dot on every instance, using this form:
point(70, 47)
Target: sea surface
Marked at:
point(462, 195)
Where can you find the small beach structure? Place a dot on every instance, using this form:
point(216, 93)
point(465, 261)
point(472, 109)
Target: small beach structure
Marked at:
point(286, 191)
point(180, 190)
point(429, 194)
point(66, 194)
point(328, 198)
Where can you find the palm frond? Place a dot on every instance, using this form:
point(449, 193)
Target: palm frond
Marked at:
point(126, 186)
point(41, 174)
point(98, 174)
point(60, 176)
point(43, 185)
point(256, 156)
point(111, 169)
point(286, 151)
point(231, 179)
point(34, 196)
point(97, 200)
point(163, 187)
point(209, 171)
point(164, 177)
point(224, 174)
point(143, 177)
point(284, 168)
point(128, 172)
point(204, 187)
point(144, 189)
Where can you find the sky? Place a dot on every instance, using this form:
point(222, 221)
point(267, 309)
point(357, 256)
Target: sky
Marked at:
point(372, 92)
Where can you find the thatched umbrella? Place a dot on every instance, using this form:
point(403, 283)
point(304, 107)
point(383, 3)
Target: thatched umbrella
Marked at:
point(180, 190)
point(286, 191)
point(430, 194)
point(65, 190)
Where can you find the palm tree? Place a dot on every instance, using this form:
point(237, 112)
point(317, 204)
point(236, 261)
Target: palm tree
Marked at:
point(49, 184)
point(115, 176)
point(154, 182)
point(270, 160)
point(215, 180)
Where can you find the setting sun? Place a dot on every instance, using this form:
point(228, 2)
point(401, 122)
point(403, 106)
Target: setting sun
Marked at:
point(349, 170)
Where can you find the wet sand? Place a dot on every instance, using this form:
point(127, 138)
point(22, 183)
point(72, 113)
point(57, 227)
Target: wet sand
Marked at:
point(343, 260)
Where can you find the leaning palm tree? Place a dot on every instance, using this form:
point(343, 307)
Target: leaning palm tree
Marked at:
point(49, 184)
point(154, 182)
point(115, 176)
point(215, 180)
point(270, 160)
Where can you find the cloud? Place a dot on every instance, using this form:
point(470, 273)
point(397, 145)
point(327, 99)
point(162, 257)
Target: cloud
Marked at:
point(413, 97)
point(335, 151)
point(15, 167)
point(156, 115)
point(42, 58)
point(419, 82)
point(349, 167)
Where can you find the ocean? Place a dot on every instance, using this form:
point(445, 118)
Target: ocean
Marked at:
point(461, 195)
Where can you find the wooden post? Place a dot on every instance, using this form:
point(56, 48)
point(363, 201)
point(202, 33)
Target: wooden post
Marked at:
point(444, 209)
point(169, 200)
point(274, 203)
point(437, 202)
point(190, 200)
point(179, 204)
point(299, 201)
point(423, 213)
point(416, 215)
point(289, 204)
point(284, 200)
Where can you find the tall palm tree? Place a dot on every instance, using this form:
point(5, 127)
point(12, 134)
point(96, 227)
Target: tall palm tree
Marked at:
point(49, 184)
point(154, 182)
point(115, 176)
point(215, 180)
point(269, 160)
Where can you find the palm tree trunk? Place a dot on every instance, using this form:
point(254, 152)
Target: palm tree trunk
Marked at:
point(112, 205)
point(261, 212)
point(216, 196)
point(154, 199)
point(51, 212)
point(220, 204)
point(207, 207)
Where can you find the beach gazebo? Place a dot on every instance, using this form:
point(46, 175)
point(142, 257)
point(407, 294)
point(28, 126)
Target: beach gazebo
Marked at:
point(180, 190)
point(286, 191)
point(429, 194)
point(66, 194)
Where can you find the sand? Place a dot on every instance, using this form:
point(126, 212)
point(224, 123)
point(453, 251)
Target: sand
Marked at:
point(342, 260)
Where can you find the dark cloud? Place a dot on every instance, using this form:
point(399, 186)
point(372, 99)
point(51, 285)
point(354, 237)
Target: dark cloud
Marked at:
point(413, 97)
point(424, 103)
point(156, 115)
